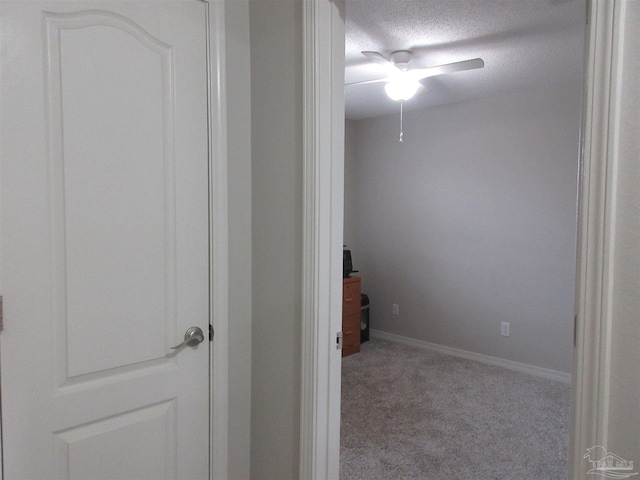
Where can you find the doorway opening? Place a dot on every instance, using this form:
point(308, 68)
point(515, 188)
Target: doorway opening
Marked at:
point(451, 229)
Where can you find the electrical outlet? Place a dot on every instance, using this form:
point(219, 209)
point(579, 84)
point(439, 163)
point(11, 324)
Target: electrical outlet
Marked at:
point(505, 329)
point(395, 309)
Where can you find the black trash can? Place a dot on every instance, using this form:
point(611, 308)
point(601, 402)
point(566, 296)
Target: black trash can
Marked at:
point(364, 318)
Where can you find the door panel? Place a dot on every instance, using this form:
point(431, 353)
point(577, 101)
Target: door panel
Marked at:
point(104, 162)
point(87, 451)
point(108, 226)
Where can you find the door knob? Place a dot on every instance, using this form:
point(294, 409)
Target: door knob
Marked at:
point(192, 337)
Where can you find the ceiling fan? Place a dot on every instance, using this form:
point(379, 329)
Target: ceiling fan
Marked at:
point(403, 82)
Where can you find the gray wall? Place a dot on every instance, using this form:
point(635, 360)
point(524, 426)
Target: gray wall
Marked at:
point(471, 222)
point(350, 184)
point(238, 84)
point(276, 140)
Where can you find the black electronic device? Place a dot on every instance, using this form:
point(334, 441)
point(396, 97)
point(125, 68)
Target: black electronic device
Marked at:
point(364, 318)
point(347, 264)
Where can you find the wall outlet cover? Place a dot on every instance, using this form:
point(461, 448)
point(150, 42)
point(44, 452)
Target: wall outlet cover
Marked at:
point(505, 329)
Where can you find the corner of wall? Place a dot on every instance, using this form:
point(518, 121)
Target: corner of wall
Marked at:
point(238, 91)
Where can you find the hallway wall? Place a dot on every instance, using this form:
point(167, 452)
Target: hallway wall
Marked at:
point(276, 141)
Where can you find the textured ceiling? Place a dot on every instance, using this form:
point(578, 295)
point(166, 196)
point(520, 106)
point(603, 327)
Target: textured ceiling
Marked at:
point(524, 43)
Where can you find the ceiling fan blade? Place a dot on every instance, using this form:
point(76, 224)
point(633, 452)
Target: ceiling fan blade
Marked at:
point(378, 80)
point(421, 73)
point(377, 57)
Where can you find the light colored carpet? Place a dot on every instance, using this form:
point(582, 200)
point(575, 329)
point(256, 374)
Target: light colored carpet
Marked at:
point(409, 413)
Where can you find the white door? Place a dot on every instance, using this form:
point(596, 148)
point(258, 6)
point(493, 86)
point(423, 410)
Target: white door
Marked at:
point(104, 240)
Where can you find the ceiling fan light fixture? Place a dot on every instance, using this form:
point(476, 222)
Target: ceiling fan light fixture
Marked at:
point(401, 88)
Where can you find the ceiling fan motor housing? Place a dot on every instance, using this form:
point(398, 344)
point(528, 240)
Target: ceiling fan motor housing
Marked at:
point(400, 59)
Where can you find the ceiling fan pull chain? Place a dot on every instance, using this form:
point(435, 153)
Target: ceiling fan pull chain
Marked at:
point(401, 132)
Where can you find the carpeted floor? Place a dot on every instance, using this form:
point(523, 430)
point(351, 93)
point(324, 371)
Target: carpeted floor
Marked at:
point(409, 413)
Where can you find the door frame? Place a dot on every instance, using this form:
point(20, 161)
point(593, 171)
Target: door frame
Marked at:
point(218, 242)
point(323, 211)
point(596, 231)
point(322, 241)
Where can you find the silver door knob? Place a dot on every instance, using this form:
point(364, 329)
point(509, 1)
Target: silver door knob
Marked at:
point(192, 337)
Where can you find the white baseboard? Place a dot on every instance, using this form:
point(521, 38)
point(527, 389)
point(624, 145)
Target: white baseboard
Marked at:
point(478, 357)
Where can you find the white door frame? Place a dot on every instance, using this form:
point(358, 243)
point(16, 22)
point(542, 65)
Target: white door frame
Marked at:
point(323, 146)
point(596, 231)
point(322, 242)
point(218, 243)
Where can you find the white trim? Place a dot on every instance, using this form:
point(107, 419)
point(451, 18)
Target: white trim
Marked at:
point(590, 404)
point(478, 357)
point(323, 129)
point(218, 235)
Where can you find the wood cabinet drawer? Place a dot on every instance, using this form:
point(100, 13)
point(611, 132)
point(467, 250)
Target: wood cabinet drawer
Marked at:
point(350, 349)
point(350, 315)
point(350, 334)
point(351, 296)
point(351, 326)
